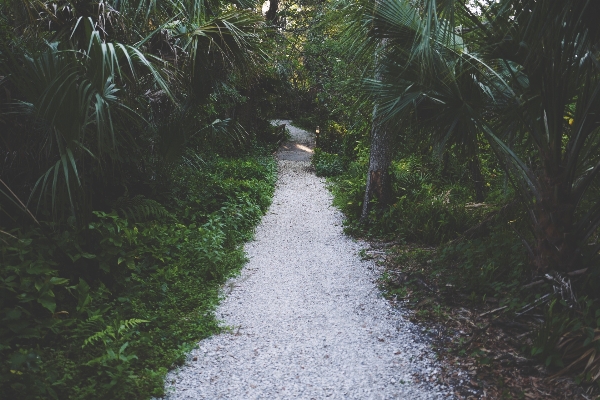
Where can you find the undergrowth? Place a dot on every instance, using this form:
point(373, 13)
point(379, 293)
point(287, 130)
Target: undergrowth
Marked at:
point(453, 260)
point(148, 277)
point(426, 207)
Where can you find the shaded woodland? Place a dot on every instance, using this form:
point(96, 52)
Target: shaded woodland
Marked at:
point(137, 159)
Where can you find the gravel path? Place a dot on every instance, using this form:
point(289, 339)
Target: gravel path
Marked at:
point(306, 315)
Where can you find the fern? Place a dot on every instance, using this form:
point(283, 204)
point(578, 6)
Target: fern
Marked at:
point(139, 209)
point(113, 333)
point(92, 324)
point(111, 355)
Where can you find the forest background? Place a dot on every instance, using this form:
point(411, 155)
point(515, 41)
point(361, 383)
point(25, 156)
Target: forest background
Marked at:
point(137, 160)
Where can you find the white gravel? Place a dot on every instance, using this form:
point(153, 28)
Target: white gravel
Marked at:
point(307, 320)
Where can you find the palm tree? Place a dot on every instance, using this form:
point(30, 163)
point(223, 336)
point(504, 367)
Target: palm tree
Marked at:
point(526, 75)
point(87, 95)
point(76, 97)
point(556, 80)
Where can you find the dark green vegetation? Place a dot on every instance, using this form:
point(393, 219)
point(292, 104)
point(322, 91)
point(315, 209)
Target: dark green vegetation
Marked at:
point(134, 164)
point(490, 111)
point(146, 281)
point(136, 160)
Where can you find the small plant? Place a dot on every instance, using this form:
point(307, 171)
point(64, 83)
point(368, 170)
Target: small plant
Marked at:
point(117, 332)
point(364, 255)
point(400, 292)
point(579, 351)
point(327, 164)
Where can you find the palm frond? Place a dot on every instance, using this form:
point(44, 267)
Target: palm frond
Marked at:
point(76, 95)
point(231, 42)
point(139, 208)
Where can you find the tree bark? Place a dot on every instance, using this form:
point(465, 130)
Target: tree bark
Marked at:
point(556, 242)
point(379, 184)
point(272, 12)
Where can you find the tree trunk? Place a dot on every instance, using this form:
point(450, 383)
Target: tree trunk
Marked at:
point(272, 13)
point(556, 243)
point(379, 185)
point(378, 177)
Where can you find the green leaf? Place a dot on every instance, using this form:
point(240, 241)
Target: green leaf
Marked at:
point(48, 302)
point(59, 281)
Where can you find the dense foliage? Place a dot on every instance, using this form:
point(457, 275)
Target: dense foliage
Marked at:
point(133, 166)
point(493, 112)
point(135, 153)
point(147, 280)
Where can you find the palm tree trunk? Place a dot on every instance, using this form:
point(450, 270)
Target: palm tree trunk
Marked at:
point(379, 185)
point(474, 166)
point(378, 178)
point(556, 242)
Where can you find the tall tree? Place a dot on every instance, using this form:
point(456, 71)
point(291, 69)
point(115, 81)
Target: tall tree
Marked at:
point(378, 185)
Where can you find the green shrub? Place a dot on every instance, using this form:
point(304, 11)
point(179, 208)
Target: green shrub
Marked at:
point(425, 208)
point(327, 164)
point(349, 190)
point(492, 264)
point(102, 311)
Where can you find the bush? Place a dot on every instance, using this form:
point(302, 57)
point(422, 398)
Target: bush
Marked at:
point(425, 208)
point(102, 311)
point(327, 164)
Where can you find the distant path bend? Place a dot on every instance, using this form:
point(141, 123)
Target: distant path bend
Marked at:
point(308, 320)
